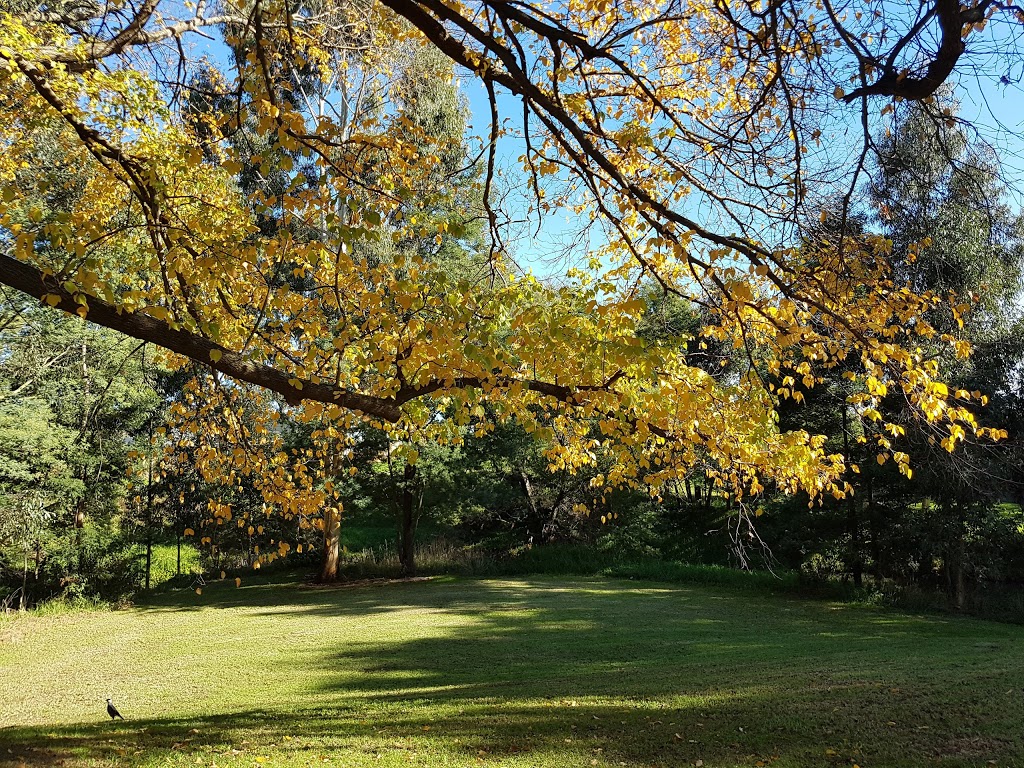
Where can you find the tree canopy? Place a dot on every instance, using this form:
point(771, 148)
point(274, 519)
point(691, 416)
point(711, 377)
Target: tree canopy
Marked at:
point(268, 207)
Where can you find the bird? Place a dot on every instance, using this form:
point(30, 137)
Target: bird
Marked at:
point(112, 710)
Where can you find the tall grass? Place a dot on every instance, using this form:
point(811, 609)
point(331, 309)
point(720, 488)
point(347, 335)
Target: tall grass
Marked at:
point(165, 562)
point(443, 556)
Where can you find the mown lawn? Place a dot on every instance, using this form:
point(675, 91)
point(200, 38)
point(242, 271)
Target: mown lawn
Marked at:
point(526, 672)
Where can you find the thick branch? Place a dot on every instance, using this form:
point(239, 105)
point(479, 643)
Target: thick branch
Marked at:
point(32, 281)
point(952, 19)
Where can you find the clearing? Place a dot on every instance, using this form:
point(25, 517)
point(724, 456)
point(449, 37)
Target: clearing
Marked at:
point(519, 672)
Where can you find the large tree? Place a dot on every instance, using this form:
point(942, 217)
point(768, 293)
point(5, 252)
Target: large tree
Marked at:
point(938, 197)
point(697, 141)
point(935, 186)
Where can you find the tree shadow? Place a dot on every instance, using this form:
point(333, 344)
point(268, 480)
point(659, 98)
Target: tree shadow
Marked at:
point(558, 672)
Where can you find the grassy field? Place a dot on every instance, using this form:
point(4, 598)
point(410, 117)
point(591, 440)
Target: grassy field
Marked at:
point(529, 672)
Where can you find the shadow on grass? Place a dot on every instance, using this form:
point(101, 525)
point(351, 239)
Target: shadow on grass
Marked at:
point(569, 672)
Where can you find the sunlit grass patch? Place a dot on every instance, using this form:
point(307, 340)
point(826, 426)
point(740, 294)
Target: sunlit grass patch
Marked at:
point(514, 672)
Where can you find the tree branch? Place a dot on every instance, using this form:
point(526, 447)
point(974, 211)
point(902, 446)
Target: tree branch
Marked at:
point(35, 283)
point(952, 20)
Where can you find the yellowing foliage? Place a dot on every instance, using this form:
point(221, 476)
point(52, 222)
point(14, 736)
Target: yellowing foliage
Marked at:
point(638, 118)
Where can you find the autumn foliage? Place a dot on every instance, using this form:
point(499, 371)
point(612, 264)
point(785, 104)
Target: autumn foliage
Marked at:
point(702, 146)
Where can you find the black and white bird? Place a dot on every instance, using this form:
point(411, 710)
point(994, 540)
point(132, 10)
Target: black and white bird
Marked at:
point(112, 710)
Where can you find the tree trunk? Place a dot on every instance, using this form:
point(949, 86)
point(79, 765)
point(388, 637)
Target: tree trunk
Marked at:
point(957, 571)
point(149, 508)
point(536, 524)
point(24, 583)
point(332, 545)
point(876, 535)
point(925, 572)
point(83, 428)
point(960, 593)
point(856, 564)
point(178, 568)
point(79, 528)
point(406, 545)
point(853, 525)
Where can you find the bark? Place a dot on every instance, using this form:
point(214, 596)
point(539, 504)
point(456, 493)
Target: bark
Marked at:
point(407, 539)
point(79, 527)
point(149, 508)
point(957, 568)
point(527, 486)
point(332, 546)
point(30, 280)
point(925, 574)
point(853, 525)
point(960, 587)
point(876, 536)
point(952, 17)
point(83, 427)
point(24, 583)
point(856, 563)
point(536, 524)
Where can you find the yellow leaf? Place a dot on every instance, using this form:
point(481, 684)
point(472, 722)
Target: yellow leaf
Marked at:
point(215, 355)
point(238, 581)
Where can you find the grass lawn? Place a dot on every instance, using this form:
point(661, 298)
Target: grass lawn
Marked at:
point(528, 672)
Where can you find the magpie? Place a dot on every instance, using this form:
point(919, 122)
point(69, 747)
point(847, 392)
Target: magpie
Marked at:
point(112, 710)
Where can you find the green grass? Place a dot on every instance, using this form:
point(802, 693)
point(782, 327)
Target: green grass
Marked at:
point(165, 562)
point(530, 672)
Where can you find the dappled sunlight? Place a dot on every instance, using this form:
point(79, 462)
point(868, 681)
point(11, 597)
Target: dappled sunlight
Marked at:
point(517, 673)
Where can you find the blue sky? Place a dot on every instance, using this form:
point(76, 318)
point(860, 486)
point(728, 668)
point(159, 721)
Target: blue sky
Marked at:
point(547, 246)
point(997, 109)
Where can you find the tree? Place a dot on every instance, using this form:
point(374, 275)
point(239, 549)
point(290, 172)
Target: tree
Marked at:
point(937, 197)
point(36, 481)
point(632, 116)
point(74, 400)
point(937, 188)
